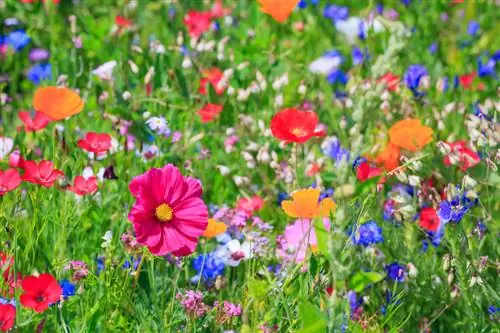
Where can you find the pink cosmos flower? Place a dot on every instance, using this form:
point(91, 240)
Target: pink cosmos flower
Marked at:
point(168, 215)
point(297, 238)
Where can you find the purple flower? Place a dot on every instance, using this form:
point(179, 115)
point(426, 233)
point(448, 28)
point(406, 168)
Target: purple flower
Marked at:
point(487, 69)
point(17, 40)
point(39, 73)
point(331, 147)
point(473, 28)
point(192, 301)
point(367, 234)
point(396, 272)
point(357, 56)
point(38, 54)
point(336, 13)
point(339, 76)
point(433, 48)
point(412, 77)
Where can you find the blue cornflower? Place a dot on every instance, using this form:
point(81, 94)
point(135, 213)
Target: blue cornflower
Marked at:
point(336, 13)
point(367, 234)
point(493, 309)
point(412, 77)
point(305, 3)
point(17, 40)
point(473, 28)
point(132, 262)
point(281, 196)
point(379, 7)
point(355, 302)
point(396, 272)
point(339, 76)
point(453, 210)
point(208, 266)
point(487, 69)
point(331, 147)
point(68, 288)
point(357, 56)
point(39, 73)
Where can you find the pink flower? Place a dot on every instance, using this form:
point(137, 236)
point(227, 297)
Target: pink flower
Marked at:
point(9, 180)
point(83, 186)
point(42, 173)
point(250, 205)
point(168, 215)
point(297, 238)
point(37, 123)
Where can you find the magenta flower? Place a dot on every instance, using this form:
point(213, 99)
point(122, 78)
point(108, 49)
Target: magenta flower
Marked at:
point(168, 215)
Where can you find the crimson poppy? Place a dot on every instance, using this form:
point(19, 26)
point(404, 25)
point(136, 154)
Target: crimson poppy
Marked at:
point(95, 142)
point(37, 123)
point(209, 112)
point(365, 171)
point(40, 292)
point(467, 158)
point(429, 220)
point(197, 23)
point(292, 125)
point(83, 186)
point(9, 180)
point(212, 76)
point(122, 22)
point(42, 173)
point(7, 317)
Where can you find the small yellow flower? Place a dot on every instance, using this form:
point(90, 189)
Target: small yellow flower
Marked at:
point(305, 204)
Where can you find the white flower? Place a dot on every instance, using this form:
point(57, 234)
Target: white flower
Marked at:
point(105, 71)
point(325, 64)
point(224, 170)
point(108, 236)
point(6, 145)
point(158, 124)
point(235, 252)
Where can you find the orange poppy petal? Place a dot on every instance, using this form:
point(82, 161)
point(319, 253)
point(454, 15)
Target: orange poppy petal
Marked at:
point(306, 202)
point(289, 208)
point(57, 103)
point(278, 9)
point(326, 206)
point(214, 228)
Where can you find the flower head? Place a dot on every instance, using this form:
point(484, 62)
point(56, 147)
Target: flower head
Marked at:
point(57, 103)
point(389, 157)
point(9, 180)
point(410, 134)
point(214, 228)
point(168, 215)
point(462, 155)
point(37, 123)
point(198, 23)
point(209, 112)
point(95, 142)
point(391, 80)
point(278, 9)
point(429, 220)
point(7, 317)
point(413, 76)
point(292, 125)
point(208, 266)
point(42, 173)
point(396, 272)
point(367, 234)
point(39, 73)
point(212, 76)
point(40, 292)
point(296, 240)
point(306, 204)
point(84, 186)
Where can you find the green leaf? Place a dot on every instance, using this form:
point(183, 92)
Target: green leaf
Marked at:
point(361, 280)
point(321, 235)
point(182, 83)
point(313, 319)
point(257, 289)
point(367, 185)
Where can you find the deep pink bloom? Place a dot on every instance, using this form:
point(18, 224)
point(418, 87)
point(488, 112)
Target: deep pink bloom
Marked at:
point(168, 215)
point(250, 205)
point(42, 173)
point(37, 123)
point(9, 180)
point(197, 23)
point(83, 186)
point(95, 142)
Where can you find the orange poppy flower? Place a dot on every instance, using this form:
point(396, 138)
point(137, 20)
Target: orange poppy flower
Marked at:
point(306, 204)
point(57, 103)
point(278, 9)
point(410, 134)
point(389, 157)
point(214, 228)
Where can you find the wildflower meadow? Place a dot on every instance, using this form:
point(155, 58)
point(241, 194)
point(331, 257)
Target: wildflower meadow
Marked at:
point(246, 166)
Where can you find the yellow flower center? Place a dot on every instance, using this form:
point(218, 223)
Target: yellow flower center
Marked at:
point(298, 132)
point(164, 212)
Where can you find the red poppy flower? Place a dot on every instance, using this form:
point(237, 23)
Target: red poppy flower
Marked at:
point(122, 22)
point(42, 173)
point(83, 186)
point(209, 112)
point(9, 180)
point(39, 121)
point(7, 317)
point(40, 292)
point(95, 142)
point(365, 171)
point(250, 205)
point(197, 23)
point(390, 80)
point(292, 125)
point(429, 220)
point(212, 76)
point(467, 158)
